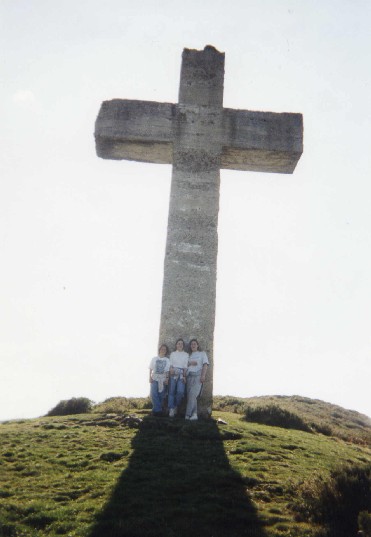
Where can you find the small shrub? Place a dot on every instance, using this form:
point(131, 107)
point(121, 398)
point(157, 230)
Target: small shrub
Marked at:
point(111, 456)
point(147, 403)
point(322, 428)
point(39, 520)
point(76, 405)
point(122, 405)
point(275, 416)
point(364, 523)
point(337, 503)
point(7, 530)
point(227, 403)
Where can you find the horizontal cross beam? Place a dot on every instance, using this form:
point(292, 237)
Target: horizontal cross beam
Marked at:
point(252, 141)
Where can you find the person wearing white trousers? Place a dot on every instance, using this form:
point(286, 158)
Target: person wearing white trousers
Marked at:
point(196, 375)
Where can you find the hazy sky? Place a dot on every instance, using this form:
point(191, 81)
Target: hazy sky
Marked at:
point(82, 239)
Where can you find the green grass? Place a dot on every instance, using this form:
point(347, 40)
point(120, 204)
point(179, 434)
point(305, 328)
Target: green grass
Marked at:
point(92, 476)
point(325, 418)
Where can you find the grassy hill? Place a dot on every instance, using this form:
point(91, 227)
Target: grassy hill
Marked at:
point(99, 474)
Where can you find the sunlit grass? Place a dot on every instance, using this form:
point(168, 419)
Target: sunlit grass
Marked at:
point(71, 475)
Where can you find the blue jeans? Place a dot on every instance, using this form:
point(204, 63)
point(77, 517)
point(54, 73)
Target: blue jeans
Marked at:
point(176, 392)
point(157, 397)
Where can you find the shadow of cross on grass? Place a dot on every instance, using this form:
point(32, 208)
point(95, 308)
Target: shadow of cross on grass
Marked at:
point(178, 482)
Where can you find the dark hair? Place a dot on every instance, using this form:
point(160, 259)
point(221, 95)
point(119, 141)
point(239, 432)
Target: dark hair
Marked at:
point(166, 347)
point(177, 341)
point(190, 343)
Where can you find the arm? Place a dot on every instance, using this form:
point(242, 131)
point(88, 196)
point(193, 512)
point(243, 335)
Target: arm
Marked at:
point(185, 369)
point(203, 373)
point(171, 371)
point(150, 376)
point(167, 371)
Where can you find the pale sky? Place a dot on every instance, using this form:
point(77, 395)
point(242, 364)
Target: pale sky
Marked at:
point(82, 239)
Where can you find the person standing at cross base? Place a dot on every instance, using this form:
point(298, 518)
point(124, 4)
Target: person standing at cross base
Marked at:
point(196, 375)
point(159, 379)
point(178, 372)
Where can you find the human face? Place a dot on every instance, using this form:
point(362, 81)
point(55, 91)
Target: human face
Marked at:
point(162, 351)
point(179, 345)
point(194, 346)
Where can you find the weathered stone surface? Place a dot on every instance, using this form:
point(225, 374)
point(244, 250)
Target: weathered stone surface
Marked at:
point(261, 141)
point(198, 137)
point(202, 77)
point(251, 141)
point(135, 130)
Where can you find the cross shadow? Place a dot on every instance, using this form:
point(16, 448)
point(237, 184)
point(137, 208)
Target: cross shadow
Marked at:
point(178, 482)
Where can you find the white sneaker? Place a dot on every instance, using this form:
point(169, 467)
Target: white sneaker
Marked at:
point(171, 412)
point(194, 417)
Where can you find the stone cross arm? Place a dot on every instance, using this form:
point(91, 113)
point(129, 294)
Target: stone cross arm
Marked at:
point(144, 131)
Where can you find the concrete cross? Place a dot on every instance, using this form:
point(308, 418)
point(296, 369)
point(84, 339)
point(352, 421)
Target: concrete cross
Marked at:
point(198, 137)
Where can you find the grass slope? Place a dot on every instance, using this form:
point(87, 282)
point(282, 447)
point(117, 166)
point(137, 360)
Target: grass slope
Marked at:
point(325, 418)
point(92, 475)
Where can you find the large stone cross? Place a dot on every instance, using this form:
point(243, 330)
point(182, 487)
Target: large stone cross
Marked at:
point(198, 137)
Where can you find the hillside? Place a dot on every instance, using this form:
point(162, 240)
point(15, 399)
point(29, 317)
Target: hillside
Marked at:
point(322, 417)
point(99, 474)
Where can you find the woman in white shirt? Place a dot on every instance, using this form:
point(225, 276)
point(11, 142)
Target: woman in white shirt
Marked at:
point(178, 372)
point(196, 375)
point(159, 379)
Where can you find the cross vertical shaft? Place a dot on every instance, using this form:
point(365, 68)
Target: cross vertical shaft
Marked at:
point(188, 296)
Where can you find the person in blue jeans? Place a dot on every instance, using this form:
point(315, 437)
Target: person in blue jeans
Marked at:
point(178, 375)
point(159, 379)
